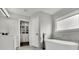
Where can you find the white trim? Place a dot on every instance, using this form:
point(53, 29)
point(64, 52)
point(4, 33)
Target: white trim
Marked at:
point(24, 20)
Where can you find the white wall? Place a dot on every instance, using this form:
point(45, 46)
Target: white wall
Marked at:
point(12, 26)
point(17, 19)
point(9, 26)
point(68, 23)
point(69, 35)
point(45, 24)
point(65, 11)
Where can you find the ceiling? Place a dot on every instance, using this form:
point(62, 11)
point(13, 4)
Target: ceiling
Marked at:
point(31, 11)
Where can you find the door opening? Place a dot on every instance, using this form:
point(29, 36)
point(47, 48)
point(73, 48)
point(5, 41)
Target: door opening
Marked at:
point(24, 33)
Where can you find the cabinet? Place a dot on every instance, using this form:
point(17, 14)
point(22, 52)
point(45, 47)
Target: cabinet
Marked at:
point(24, 31)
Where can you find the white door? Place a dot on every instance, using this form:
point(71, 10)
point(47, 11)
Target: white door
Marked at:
point(34, 32)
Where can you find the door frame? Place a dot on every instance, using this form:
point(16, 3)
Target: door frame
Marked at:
point(26, 20)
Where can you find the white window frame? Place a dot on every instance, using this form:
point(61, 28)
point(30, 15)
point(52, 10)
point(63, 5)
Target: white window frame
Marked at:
point(73, 27)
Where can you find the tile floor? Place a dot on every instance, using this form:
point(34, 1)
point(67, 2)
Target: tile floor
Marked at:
point(28, 48)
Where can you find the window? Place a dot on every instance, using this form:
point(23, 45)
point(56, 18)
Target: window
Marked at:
point(68, 23)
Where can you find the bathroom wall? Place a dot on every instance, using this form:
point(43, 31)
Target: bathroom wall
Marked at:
point(45, 24)
point(65, 11)
point(18, 18)
point(69, 35)
point(10, 26)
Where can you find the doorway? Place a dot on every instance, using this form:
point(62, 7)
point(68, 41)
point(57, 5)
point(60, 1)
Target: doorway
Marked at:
point(24, 33)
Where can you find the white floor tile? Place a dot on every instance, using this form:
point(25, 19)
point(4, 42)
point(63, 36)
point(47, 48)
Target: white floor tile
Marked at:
point(28, 48)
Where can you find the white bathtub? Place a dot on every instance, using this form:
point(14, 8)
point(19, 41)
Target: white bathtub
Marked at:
point(53, 44)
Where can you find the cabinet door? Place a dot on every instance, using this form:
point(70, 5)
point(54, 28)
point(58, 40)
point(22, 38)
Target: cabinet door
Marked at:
point(6, 43)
